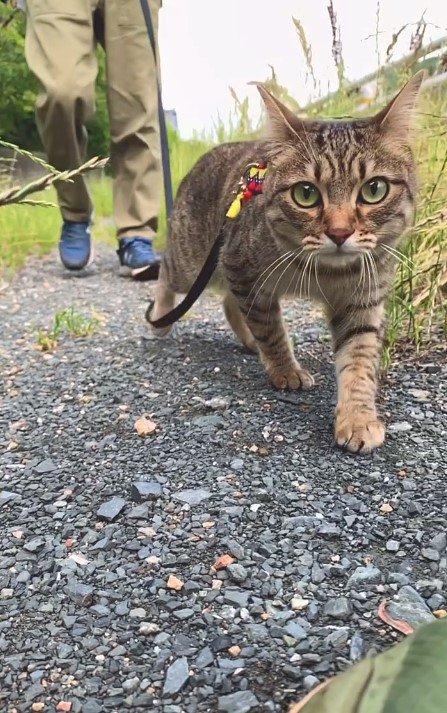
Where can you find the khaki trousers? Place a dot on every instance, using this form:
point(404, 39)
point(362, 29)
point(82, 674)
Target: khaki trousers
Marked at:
point(60, 50)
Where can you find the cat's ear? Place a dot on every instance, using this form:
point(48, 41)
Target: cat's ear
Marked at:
point(397, 118)
point(283, 124)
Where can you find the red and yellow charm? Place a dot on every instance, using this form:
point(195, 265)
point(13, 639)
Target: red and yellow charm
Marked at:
point(250, 185)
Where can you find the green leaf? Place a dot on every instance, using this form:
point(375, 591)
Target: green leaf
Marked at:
point(409, 677)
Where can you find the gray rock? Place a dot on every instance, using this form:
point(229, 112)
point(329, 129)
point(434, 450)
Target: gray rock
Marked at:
point(357, 646)
point(329, 531)
point(410, 606)
point(237, 572)
point(364, 576)
point(431, 554)
point(239, 702)
point(146, 490)
point(338, 608)
point(392, 545)
point(79, 593)
point(338, 637)
point(439, 542)
point(295, 630)
point(34, 545)
point(139, 512)
point(237, 464)
point(205, 658)
point(111, 509)
point(192, 496)
point(45, 466)
point(176, 676)
point(310, 682)
point(7, 496)
point(237, 597)
point(91, 706)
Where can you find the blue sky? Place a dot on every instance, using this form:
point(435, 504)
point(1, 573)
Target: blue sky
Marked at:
point(208, 45)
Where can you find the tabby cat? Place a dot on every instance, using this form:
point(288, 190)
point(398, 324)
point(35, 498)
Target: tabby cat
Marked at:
point(337, 197)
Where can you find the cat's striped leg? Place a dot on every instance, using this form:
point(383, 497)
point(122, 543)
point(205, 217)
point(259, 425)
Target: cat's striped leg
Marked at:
point(265, 322)
point(237, 322)
point(357, 334)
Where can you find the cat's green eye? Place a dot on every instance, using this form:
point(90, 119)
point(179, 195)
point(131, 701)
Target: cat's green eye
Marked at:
point(373, 191)
point(306, 194)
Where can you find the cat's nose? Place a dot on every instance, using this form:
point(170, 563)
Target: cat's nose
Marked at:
point(339, 235)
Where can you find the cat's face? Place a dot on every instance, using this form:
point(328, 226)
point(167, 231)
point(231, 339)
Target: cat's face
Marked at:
point(340, 189)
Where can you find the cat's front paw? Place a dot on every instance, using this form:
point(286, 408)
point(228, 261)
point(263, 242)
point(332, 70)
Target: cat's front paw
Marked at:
point(290, 377)
point(358, 431)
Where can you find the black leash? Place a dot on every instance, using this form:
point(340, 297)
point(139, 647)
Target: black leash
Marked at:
point(250, 184)
point(196, 290)
point(167, 180)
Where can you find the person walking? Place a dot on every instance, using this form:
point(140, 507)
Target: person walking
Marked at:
point(60, 49)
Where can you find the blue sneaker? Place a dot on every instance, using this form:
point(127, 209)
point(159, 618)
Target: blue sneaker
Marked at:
point(75, 245)
point(137, 256)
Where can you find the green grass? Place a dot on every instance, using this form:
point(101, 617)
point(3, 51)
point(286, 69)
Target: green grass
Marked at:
point(65, 321)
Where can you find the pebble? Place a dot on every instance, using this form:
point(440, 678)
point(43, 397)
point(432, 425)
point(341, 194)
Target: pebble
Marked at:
point(45, 466)
point(79, 593)
point(392, 545)
point(237, 572)
point(310, 682)
point(176, 676)
point(338, 608)
point(146, 490)
point(239, 702)
point(111, 509)
point(299, 604)
point(192, 496)
point(7, 496)
point(364, 576)
point(409, 606)
point(430, 553)
point(357, 646)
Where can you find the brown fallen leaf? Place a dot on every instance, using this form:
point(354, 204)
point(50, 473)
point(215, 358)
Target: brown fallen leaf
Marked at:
point(297, 707)
point(175, 583)
point(144, 426)
point(223, 561)
point(398, 624)
point(440, 613)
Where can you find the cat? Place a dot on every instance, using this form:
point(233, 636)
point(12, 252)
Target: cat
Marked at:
point(336, 200)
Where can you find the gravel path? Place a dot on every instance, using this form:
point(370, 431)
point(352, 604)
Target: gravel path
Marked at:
point(92, 615)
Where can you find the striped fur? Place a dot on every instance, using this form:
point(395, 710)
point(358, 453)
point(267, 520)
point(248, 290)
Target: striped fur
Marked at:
point(276, 247)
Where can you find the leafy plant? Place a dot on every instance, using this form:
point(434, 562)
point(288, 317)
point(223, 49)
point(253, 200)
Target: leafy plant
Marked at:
point(409, 677)
point(66, 320)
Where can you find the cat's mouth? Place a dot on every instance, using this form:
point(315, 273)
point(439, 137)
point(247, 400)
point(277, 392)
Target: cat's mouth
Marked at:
point(346, 251)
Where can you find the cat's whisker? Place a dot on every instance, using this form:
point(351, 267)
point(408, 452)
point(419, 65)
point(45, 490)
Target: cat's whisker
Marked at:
point(318, 282)
point(278, 259)
point(303, 275)
point(277, 283)
point(400, 257)
point(280, 262)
